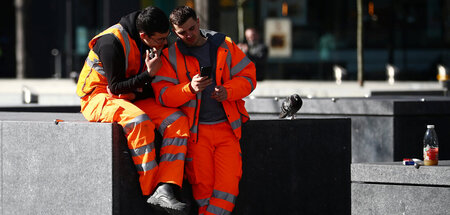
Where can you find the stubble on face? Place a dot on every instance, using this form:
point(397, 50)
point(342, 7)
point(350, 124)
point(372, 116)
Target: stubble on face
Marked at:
point(189, 33)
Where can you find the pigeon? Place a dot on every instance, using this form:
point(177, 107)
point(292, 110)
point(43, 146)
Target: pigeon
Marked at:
point(290, 106)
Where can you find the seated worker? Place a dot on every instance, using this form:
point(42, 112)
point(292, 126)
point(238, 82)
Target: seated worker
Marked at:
point(114, 86)
point(207, 75)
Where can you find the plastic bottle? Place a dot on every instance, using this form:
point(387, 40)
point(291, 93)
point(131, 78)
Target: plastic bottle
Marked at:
point(430, 147)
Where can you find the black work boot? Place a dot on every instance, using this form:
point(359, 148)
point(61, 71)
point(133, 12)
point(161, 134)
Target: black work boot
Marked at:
point(164, 197)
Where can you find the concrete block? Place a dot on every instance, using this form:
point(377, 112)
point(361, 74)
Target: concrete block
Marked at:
point(56, 169)
point(399, 199)
point(41, 108)
point(41, 116)
point(392, 188)
point(69, 167)
point(384, 129)
point(408, 92)
point(397, 173)
point(295, 167)
point(79, 167)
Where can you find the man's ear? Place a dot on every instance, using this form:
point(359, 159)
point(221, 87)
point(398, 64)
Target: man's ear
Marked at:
point(142, 35)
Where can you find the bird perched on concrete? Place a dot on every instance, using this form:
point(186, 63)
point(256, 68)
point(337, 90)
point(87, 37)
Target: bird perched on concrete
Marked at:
point(290, 106)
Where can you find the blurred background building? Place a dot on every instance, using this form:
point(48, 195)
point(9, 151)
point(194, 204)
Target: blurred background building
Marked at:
point(306, 38)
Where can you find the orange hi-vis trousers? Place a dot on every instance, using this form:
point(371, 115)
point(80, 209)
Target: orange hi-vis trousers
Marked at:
point(139, 120)
point(214, 168)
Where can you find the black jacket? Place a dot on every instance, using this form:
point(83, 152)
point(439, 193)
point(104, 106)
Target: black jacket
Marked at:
point(110, 51)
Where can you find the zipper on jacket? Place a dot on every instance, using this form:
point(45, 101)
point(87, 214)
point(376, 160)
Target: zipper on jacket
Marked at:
point(197, 108)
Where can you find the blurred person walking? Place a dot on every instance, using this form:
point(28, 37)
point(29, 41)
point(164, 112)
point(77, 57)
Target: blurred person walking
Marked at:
point(256, 51)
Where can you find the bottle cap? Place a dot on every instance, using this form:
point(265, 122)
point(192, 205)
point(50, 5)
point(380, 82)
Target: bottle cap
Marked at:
point(430, 126)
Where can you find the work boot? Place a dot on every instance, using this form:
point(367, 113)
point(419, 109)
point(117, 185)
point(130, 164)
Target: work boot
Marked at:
point(164, 197)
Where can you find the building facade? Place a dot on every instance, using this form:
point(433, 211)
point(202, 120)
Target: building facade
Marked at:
point(306, 39)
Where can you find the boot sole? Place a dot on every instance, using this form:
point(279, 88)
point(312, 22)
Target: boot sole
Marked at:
point(173, 211)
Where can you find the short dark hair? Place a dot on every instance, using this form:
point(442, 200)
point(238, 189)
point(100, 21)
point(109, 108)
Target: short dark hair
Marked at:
point(152, 20)
point(181, 14)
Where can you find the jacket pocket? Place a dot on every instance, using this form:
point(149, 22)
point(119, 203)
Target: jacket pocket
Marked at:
point(242, 111)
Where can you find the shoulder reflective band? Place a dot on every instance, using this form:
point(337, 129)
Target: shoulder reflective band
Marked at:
point(94, 64)
point(240, 66)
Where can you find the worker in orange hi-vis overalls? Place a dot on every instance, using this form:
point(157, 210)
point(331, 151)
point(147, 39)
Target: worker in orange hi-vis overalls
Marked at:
point(114, 86)
point(207, 75)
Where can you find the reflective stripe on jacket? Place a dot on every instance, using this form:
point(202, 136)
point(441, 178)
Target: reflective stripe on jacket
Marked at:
point(93, 76)
point(234, 71)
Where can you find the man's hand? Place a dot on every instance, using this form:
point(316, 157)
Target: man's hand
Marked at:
point(127, 96)
point(199, 83)
point(219, 94)
point(153, 64)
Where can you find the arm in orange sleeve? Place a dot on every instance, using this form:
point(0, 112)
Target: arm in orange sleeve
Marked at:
point(168, 91)
point(243, 82)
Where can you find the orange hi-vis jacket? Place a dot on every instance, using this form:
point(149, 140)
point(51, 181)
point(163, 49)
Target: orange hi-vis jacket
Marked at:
point(234, 71)
point(92, 76)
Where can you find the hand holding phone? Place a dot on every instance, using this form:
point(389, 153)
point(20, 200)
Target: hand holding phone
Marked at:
point(199, 83)
point(153, 61)
point(153, 52)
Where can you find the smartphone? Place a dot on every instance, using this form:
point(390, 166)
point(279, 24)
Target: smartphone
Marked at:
point(205, 71)
point(152, 53)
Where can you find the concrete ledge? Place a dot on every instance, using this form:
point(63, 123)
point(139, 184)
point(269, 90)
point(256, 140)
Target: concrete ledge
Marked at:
point(383, 106)
point(392, 188)
point(442, 92)
point(42, 108)
point(384, 129)
point(69, 167)
point(44, 167)
point(79, 167)
point(42, 117)
point(397, 173)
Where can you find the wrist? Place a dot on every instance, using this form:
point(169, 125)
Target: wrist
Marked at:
point(193, 91)
point(150, 73)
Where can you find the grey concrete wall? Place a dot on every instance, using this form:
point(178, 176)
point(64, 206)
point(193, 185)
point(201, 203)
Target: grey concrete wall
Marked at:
point(49, 168)
point(69, 167)
point(397, 173)
point(399, 199)
point(393, 188)
point(295, 167)
point(77, 167)
point(383, 129)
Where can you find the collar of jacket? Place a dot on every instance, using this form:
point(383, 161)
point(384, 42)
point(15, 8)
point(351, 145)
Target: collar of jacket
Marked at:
point(215, 39)
point(129, 23)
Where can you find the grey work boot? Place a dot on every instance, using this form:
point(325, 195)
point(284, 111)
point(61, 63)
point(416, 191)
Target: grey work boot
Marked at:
point(164, 197)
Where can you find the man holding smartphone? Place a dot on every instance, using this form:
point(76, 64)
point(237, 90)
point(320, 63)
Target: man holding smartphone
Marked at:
point(114, 86)
point(207, 75)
